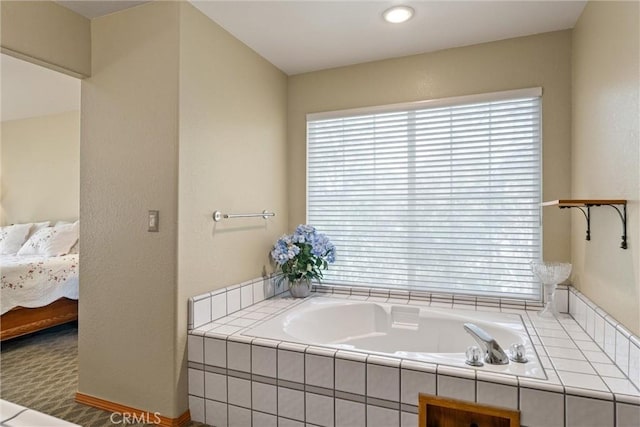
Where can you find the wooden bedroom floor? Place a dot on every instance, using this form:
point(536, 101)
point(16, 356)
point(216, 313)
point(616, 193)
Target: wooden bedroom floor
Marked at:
point(40, 371)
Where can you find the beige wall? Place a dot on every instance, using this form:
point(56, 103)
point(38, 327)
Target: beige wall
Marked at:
point(178, 116)
point(541, 60)
point(129, 165)
point(232, 155)
point(40, 168)
point(606, 155)
point(232, 158)
point(47, 34)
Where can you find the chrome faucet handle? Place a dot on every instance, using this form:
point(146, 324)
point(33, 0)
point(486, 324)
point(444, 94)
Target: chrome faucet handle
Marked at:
point(474, 356)
point(518, 353)
point(494, 355)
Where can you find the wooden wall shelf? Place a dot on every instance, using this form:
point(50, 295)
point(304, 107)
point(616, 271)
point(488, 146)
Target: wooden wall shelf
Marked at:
point(585, 206)
point(570, 203)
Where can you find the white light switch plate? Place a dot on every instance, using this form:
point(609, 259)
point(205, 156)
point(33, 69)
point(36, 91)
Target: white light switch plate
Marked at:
point(154, 220)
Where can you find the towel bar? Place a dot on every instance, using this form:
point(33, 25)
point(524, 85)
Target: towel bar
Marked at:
point(217, 215)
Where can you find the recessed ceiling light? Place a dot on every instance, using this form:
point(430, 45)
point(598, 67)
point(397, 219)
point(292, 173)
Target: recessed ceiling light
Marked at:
point(398, 14)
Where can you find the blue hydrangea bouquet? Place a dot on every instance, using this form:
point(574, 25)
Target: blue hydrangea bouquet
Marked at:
point(303, 255)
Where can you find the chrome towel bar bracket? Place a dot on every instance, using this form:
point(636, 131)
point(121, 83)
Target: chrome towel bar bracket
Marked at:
point(217, 215)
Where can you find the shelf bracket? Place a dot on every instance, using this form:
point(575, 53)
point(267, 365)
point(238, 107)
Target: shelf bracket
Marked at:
point(587, 216)
point(623, 217)
point(585, 205)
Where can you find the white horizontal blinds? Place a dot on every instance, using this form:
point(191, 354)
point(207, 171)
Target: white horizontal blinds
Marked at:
point(435, 198)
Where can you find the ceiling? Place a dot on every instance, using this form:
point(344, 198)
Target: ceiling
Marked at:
point(29, 90)
point(95, 8)
point(301, 36)
point(307, 35)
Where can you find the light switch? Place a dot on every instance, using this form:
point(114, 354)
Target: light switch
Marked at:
point(154, 219)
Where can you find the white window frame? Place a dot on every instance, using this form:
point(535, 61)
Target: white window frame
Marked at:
point(444, 102)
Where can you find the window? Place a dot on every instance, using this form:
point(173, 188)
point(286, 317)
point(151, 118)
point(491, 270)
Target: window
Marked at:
point(440, 195)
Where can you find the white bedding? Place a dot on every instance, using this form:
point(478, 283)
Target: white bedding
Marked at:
point(36, 281)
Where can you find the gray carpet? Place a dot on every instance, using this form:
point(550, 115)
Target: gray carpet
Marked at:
point(40, 371)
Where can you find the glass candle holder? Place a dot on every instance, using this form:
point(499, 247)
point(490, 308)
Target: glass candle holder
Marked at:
point(550, 274)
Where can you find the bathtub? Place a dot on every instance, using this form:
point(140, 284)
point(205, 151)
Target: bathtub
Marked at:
point(413, 332)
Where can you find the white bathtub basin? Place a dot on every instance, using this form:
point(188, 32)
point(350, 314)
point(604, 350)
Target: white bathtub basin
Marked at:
point(404, 331)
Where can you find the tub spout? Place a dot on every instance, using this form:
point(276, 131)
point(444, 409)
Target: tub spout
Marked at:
point(494, 354)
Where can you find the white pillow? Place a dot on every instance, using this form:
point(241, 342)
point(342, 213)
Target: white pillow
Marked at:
point(12, 238)
point(75, 249)
point(51, 241)
point(36, 226)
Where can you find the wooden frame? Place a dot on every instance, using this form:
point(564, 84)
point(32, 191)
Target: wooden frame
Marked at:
point(21, 321)
point(437, 411)
point(148, 417)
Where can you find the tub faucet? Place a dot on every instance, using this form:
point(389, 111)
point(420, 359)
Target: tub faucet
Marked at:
point(494, 355)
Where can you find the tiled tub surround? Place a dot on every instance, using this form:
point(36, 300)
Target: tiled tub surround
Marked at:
point(235, 380)
point(213, 305)
point(617, 342)
point(412, 332)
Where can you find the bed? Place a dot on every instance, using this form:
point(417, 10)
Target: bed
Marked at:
point(37, 292)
